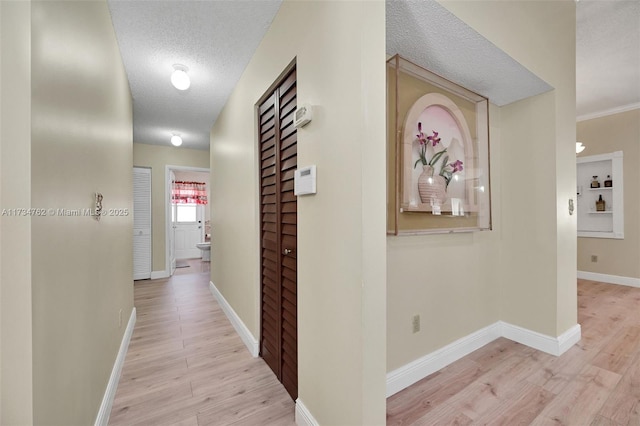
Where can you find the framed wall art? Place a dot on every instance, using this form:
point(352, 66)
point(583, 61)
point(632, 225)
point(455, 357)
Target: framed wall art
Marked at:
point(438, 153)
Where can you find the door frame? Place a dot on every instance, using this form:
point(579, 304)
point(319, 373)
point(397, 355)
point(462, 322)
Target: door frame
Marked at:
point(150, 220)
point(167, 212)
point(172, 230)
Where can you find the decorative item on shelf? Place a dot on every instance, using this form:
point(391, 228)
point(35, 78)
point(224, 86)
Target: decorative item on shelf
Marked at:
point(595, 183)
point(600, 204)
point(433, 188)
point(608, 183)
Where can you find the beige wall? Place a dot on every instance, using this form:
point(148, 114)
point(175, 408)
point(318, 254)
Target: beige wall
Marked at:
point(16, 385)
point(523, 271)
point(540, 36)
point(157, 158)
point(425, 277)
point(341, 230)
point(81, 143)
point(619, 132)
point(528, 262)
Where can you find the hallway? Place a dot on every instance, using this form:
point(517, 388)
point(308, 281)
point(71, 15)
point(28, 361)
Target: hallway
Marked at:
point(186, 365)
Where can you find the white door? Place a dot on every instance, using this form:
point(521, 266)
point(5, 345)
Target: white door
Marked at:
point(172, 230)
point(141, 223)
point(188, 230)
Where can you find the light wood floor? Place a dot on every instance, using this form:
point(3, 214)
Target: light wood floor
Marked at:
point(596, 382)
point(187, 366)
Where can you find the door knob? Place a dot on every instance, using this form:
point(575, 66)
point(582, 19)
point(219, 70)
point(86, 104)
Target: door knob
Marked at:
point(286, 251)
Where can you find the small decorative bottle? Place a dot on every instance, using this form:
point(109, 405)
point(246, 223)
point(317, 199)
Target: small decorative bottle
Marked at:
point(595, 183)
point(608, 183)
point(600, 204)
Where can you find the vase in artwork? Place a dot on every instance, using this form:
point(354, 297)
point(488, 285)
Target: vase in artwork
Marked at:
point(432, 189)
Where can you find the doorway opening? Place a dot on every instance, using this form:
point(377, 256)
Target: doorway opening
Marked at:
point(187, 218)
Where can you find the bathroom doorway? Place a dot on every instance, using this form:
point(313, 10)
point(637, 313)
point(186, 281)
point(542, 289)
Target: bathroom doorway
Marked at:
point(187, 215)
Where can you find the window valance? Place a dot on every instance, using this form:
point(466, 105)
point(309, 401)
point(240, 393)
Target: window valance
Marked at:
point(189, 192)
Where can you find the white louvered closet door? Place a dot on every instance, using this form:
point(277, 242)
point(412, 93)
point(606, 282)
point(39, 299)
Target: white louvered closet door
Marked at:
point(141, 223)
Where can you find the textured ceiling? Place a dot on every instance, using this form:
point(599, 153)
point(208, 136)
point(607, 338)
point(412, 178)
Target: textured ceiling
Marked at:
point(607, 56)
point(214, 39)
point(449, 47)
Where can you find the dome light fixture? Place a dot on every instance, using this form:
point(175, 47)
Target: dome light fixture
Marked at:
point(176, 140)
point(180, 78)
point(579, 147)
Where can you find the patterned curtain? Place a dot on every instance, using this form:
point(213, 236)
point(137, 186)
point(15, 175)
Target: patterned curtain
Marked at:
point(189, 193)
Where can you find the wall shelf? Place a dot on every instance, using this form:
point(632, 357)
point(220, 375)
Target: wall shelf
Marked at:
point(593, 223)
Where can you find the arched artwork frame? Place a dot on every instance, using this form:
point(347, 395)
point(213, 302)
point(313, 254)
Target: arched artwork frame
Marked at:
point(438, 111)
point(438, 169)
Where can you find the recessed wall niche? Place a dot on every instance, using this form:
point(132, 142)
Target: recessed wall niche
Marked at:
point(591, 174)
point(438, 154)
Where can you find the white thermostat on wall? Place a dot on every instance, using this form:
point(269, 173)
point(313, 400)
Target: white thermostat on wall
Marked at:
point(303, 115)
point(304, 181)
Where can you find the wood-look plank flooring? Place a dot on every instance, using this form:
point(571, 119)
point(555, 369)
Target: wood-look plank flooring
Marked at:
point(187, 366)
point(596, 382)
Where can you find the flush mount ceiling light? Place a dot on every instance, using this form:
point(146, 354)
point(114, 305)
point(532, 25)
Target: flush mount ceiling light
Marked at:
point(579, 147)
point(176, 140)
point(180, 78)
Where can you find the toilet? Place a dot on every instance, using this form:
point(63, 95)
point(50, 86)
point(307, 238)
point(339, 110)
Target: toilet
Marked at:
point(205, 249)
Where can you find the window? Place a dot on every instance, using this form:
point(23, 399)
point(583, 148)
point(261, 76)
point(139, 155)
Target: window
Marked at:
point(186, 213)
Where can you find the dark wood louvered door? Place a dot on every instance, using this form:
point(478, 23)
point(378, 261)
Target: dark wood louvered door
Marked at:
point(278, 212)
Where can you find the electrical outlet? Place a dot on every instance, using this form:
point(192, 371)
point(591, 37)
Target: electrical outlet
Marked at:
point(416, 323)
point(120, 319)
point(594, 258)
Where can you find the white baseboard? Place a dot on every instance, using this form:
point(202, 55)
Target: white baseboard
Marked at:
point(551, 345)
point(569, 338)
point(611, 279)
point(102, 418)
point(417, 370)
point(303, 415)
point(250, 342)
point(159, 274)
